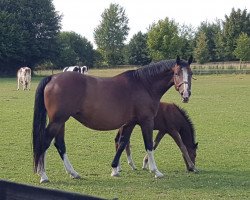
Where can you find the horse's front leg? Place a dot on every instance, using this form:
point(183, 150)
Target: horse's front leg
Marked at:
point(147, 132)
point(123, 141)
point(157, 140)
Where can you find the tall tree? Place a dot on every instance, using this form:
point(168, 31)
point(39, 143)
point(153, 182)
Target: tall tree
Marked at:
point(137, 50)
point(236, 23)
point(201, 50)
point(74, 50)
point(28, 31)
point(242, 50)
point(163, 40)
point(211, 30)
point(111, 34)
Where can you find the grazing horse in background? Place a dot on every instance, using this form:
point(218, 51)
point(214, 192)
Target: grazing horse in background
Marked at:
point(82, 70)
point(173, 120)
point(24, 77)
point(126, 99)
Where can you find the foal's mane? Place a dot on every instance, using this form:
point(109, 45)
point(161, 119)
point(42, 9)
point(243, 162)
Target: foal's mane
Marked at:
point(190, 124)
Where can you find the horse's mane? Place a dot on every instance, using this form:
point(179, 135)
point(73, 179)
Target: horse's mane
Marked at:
point(189, 122)
point(154, 68)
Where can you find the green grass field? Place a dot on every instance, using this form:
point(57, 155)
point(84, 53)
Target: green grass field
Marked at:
point(219, 108)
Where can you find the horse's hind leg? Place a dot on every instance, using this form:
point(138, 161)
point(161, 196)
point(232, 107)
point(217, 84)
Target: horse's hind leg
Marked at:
point(123, 141)
point(61, 148)
point(128, 151)
point(50, 132)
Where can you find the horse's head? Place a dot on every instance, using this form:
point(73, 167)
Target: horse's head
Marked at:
point(182, 78)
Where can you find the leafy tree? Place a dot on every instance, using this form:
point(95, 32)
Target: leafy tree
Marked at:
point(111, 34)
point(137, 50)
point(242, 50)
point(163, 40)
point(74, 50)
point(201, 50)
point(28, 31)
point(187, 41)
point(212, 32)
point(236, 23)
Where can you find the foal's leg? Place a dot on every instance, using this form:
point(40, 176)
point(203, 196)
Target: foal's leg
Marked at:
point(61, 148)
point(177, 138)
point(123, 141)
point(157, 140)
point(147, 132)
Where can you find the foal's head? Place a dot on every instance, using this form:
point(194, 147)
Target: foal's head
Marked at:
point(182, 78)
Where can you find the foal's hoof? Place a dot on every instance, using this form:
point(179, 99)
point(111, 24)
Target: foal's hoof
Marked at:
point(131, 164)
point(158, 174)
point(193, 170)
point(75, 176)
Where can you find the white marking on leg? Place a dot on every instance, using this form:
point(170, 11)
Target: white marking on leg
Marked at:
point(69, 168)
point(145, 162)
point(131, 162)
point(119, 168)
point(152, 164)
point(115, 172)
point(41, 169)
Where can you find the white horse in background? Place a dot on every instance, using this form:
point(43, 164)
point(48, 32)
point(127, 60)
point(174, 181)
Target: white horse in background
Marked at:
point(24, 77)
point(82, 70)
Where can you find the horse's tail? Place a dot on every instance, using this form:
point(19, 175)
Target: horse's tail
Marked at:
point(39, 121)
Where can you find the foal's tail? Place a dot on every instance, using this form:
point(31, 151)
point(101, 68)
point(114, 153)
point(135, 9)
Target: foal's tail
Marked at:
point(39, 121)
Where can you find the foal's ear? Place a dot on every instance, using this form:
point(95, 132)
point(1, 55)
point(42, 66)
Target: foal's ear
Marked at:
point(190, 60)
point(178, 60)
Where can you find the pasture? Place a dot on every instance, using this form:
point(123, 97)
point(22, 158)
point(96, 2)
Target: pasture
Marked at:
point(219, 108)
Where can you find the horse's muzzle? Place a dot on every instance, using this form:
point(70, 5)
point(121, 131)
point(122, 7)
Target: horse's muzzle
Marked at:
point(185, 96)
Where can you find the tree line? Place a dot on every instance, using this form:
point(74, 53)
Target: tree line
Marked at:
point(30, 35)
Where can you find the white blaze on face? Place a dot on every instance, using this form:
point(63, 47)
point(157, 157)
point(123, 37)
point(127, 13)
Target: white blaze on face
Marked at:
point(185, 80)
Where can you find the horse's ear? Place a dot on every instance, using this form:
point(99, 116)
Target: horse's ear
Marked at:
point(196, 145)
point(190, 60)
point(178, 60)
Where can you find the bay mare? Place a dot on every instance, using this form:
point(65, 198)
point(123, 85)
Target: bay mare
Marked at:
point(126, 99)
point(172, 120)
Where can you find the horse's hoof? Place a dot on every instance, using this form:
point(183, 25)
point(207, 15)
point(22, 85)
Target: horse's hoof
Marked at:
point(158, 174)
point(44, 180)
point(115, 172)
point(194, 170)
point(75, 176)
point(132, 166)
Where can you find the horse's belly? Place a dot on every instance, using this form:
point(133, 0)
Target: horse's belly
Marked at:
point(104, 121)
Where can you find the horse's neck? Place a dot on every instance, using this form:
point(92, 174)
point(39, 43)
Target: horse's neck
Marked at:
point(187, 134)
point(161, 84)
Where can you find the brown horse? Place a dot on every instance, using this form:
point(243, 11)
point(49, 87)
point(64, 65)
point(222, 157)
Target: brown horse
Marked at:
point(173, 120)
point(127, 99)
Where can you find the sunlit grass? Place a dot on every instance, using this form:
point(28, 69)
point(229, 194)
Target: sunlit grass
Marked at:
point(219, 108)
